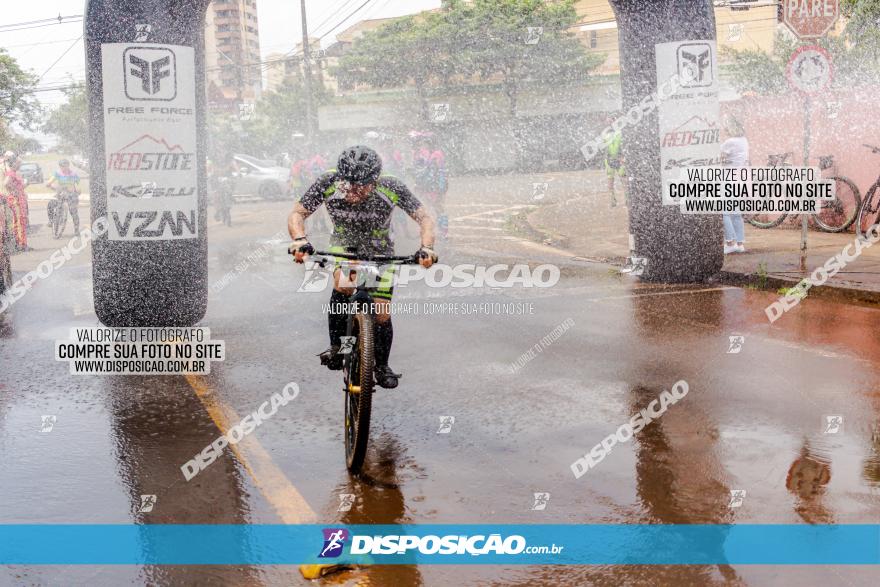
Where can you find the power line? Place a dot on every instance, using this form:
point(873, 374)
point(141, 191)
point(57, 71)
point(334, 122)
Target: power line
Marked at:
point(55, 42)
point(353, 12)
point(293, 51)
point(334, 12)
point(39, 26)
point(60, 57)
point(58, 18)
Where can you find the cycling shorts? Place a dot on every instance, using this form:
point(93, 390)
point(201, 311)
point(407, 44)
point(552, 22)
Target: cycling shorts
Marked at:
point(385, 283)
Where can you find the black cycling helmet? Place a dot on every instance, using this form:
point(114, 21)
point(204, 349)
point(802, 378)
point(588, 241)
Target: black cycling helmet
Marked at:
point(359, 165)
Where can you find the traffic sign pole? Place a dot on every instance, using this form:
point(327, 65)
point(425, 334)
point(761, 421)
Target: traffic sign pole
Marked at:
point(808, 103)
point(809, 19)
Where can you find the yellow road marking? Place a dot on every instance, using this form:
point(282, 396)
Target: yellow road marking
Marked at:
point(290, 505)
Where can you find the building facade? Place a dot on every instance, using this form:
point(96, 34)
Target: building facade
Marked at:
point(232, 53)
point(739, 25)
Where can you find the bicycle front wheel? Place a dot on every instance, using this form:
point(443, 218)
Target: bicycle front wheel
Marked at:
point(358, 369)
point(869, 213)
point(60, 219)
point(838, 214)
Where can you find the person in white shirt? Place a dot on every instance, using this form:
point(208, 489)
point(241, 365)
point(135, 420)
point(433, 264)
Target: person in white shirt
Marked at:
point(734, 153)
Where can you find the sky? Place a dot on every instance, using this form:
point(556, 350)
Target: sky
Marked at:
point(39, 48)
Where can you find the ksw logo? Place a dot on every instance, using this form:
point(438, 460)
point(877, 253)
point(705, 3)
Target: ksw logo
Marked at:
point(150, 73)
point(334, 542)
point(695, 65)
point(149, 189)
point(153, 226)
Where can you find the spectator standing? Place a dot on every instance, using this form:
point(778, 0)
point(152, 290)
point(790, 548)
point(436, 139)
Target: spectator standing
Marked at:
point(734, 153)
point(16, 199)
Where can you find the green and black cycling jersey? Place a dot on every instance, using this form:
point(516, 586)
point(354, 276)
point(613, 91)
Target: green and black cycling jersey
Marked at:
point(363, 227)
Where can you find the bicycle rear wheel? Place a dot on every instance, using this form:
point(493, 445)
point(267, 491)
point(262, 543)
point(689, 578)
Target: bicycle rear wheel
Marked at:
point(60, 219)
point(358, 369)
point(838, 214)
point(764, 220)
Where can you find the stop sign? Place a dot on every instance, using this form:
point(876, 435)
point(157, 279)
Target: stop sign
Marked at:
point(809, 19)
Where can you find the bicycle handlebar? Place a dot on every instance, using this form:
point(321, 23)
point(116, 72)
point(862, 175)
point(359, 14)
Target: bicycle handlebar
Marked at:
point(402, 259)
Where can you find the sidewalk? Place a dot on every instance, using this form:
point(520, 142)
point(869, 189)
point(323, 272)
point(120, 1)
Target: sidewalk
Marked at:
point(587, 226)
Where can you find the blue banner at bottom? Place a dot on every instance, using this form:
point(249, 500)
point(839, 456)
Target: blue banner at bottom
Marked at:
point(521, 544)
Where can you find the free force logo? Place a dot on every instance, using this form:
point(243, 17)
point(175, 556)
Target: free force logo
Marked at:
point(150, 73)
point(334, 542)
point(695, 65)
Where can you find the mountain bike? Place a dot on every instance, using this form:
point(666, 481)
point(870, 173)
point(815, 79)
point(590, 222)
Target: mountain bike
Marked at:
point(869, 213)
point(58, 210)
point(834, 215)
point(358, 345)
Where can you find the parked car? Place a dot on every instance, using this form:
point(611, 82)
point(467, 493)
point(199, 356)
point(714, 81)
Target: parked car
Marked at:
point(257, 177)
point(32, 172)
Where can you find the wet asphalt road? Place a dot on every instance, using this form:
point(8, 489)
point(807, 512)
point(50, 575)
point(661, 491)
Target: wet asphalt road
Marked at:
point(752, 421)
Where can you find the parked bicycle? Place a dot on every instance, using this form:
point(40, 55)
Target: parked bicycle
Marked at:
point(358, 346)
point(835, 215)
point(869, 213)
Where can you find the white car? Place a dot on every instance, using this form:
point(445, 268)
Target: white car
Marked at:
point(257, 177)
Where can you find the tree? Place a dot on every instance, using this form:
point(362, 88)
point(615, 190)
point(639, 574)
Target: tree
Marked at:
point(70, 121)
point(754, 70)
point(17, 101)
point(494, 43)
point(412, 49)
point(856, 54)
point(863, 33)
point(484, 39)
point(277, 117)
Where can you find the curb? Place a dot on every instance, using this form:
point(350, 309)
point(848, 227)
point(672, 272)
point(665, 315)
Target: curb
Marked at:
point(834, 292)
point(837, 292)
point(521, 223)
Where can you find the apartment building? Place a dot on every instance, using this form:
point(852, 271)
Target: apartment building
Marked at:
point(281, 66)
point(232, 53)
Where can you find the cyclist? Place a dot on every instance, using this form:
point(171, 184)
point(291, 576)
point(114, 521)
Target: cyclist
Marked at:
point(67, 183)
point(360, 203)
point(220, 179)
point(614, 162)
point(429, 172)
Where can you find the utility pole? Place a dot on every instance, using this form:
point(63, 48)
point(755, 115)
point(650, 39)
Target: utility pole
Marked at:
point(307, 74)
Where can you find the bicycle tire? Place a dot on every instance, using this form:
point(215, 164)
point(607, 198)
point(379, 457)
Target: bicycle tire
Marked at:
point(60, 219)
point(839, 205)
point(753, 220)
point(865, 212)
point(358, 367)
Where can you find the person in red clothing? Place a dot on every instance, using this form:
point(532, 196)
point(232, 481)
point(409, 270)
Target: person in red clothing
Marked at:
point(16, 199)
point(429, 170)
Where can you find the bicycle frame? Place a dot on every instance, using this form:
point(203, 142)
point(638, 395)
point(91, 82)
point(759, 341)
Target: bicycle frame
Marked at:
point(363, 264)
point(359, 358)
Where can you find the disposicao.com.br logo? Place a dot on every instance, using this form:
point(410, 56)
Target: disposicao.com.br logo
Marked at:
point(317, 279)
point(450, 544)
